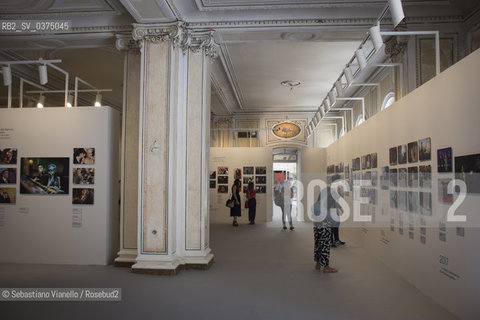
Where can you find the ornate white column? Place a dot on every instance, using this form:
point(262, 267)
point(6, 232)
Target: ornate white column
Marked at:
point(173, 148)
point(129, 172)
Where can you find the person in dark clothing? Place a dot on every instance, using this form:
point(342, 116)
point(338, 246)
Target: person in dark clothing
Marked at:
point(236, 211)
point(252, 203)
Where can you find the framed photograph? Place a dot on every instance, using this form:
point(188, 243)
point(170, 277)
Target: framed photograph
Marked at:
point(356, 164)
point(413, 152)
point(367, 178)
point(425, 149)
point(83, 176)
point(373, 196)
point(237, 173)
point(247, 179)
point(222, 179)
point(213, 175)
point(247, 170)
point(8, 156)
point(347, 171)
point(222, 170)
point(330, 169)
point(8, 195)
point(393, 199)
point(444, 160)
point(373, 157)
point(260, 170)
point(402, 177)
point(364, 162)
point(261, 189)
point(443, 195)
point(393, 177)
point(374, 178)
point(425, 176)
point(213, 184)
point(402, 154)
point(413, 177)
point(260, 179)
point(467, 168)
point(45, 176)
point(8, 175)
point(84, 155)
point(413, 202)
point(384, 178)
point(83, 196)
point(402, 200)
point(368, 161)
point(222, 189)
point(393, 156)
point(426, 203)
point(341, 167)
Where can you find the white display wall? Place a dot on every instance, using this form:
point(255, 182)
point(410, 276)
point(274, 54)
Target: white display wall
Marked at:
point(438, 257)
point(49, 228)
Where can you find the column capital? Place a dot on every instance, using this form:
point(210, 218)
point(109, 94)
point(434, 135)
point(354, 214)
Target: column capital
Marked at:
point(158, 32)
point(126, 42)
point(197, 40)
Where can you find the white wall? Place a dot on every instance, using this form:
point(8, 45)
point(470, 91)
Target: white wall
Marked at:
point(38, 228)
point(447, 110)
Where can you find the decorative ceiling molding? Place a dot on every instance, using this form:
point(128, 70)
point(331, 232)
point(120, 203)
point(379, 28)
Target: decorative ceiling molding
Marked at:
point(232, 78)
point(164, 11)
point(220, 93)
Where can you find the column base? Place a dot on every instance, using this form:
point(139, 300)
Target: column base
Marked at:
point(126, 258)
point(171, 268)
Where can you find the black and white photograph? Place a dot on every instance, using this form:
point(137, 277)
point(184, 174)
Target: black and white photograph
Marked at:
point(413, 202)
point(83, 176)
point(384, 178)
point(222, 170)
point(425, 176)
point(402, 177)
point(8, 156)
point(8, 195)
point(413, 177)
point(393, 177)
point(426, 203)
point(222, 179)
point(393, 156)
point(467, 168)
point(247, 179)
point(248, 170)
point(373, 196)
point(443, 195)
point(237, 173)
point(393, 199)
point(84, 155)
point(213, 184)
point(356, 164)
point(368, 161)
point(44, 176)
point(261, 179)
point(364, 162)
point(402, 200)
point(425, 149)
point(347, 172)
point(213, 175)
point(444, 160)
point(260, 170)
point(83, 196)
point(8, 175)
point(374, 178)
point(373, 158)
point(413, 152)
point(331, 169)
point(402, 154)
point(261, 189)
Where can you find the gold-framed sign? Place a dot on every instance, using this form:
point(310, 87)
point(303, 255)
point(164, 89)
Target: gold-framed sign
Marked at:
point(286, 130)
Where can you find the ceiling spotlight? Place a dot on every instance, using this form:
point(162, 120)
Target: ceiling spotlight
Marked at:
point(396, 11)
point(98, 100)
point(376, 37)
point(362, 61)
point(348, 75)
point(41, 102)
point(291, 83)
point(69, 101)
point(331, 96)
point(339, 87)
point(326, 103)
point(42, 74)
point(322, 111)
point(7, 75)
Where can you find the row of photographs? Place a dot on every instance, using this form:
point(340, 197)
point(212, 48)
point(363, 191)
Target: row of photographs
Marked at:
point(412, 177)
point(412, 152)
point(80, 156)
point(238, 171)
point(246, 180)
point(80, 195)
point(224, 188)
point(80, 175)
point(415, 202)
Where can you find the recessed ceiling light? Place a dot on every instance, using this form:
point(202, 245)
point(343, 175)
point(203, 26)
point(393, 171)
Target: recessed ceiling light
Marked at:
point(290, 83)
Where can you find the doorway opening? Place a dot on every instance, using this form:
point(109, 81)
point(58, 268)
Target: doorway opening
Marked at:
point(285, 176)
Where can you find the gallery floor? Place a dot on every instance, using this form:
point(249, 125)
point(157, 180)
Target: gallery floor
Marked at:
point(261, 272)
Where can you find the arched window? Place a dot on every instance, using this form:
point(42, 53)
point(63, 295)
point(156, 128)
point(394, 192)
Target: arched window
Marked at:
point(359, 120)
point(388, 100)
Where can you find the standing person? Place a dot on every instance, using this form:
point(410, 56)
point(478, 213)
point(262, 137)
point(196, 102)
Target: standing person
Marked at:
point(236, 211)
point(287, 194)
point(322, 232)
point(252, 203)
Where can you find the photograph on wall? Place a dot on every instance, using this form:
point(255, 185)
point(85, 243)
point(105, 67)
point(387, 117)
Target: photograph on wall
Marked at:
point(393, 177)
point(373, 157)
point(82, 195)
point(374, 178)
point(247, 179)
point(366, 178)
point(467, 168)
point(426, 203)
point(8, 195)
point(347, 171)
point(8, 175)
point(83, 176)
point(443, 195)
point(261, 189)
point(213, 184)
point(261, 179)
point(413, 152)
point(44, 176)
point(373, 196)
point(413, 201)
point(425, 176)
point(393, 156)
point(222, 170)
point(364, 162)
point(83, 155)
point(425, 149)
point(331, 169)
point(222, 189)
point(402, 154)
point(402, 200)
point(413, 177)
point(402, 177)
point(213, 175)
point(247, 170)
point(260, 170)
point(368, 161)
point(237, 173)
point(8, 156)
point(444, 160)
point(384, 178)
point(393, 199)
point(222, 179)
point(356, 164)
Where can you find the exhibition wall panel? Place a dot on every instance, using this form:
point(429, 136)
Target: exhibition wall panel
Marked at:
point(64, 204)
point(411, 233)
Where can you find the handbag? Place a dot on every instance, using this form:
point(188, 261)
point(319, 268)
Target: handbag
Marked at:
point(230, 203)
point(246, 204)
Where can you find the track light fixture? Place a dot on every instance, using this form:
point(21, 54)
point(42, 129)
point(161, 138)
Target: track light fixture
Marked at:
point(69, 101)
point(396, 11)
point(41, 102)
point(98, 100)
point(362, 61)
point(348, 75)
point(42, 74)
point(376, 37)
point(7, 75)
point(331, 96)
point(339, 87)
